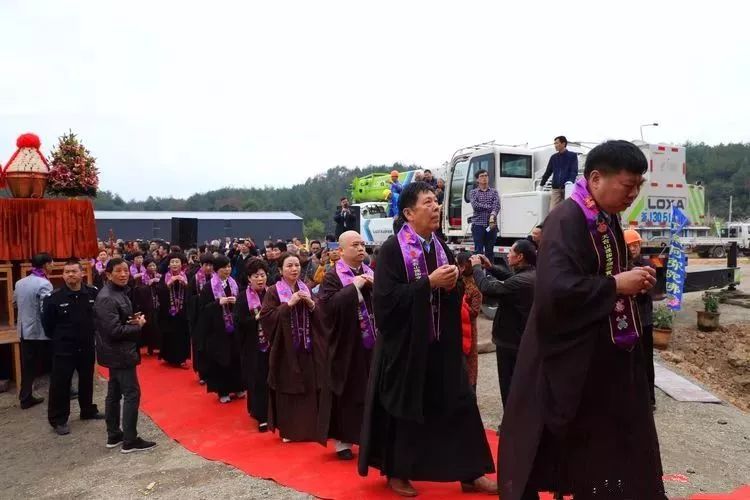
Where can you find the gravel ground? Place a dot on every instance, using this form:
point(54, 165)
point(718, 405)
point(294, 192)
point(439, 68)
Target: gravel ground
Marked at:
point(708, 444)
point(39, 464)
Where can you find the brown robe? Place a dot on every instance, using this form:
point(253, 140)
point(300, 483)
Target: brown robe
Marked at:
point(145, 299)
point(421, 417)
point(578, 417)
point(348, 368)
point(294, 377)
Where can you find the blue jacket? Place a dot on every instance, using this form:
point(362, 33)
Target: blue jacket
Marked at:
point(563, 167)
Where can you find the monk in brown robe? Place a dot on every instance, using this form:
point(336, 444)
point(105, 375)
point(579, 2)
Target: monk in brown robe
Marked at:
point(345, 299)
point(421, 417)
point(290, 321)
point(578, 418)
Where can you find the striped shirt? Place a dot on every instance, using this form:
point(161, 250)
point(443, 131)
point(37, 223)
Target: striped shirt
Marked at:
point(484, 203)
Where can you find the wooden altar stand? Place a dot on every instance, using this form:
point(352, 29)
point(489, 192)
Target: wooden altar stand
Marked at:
point(62, 228)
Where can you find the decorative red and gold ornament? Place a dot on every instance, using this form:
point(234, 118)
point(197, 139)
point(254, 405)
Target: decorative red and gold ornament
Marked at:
point(27, 171)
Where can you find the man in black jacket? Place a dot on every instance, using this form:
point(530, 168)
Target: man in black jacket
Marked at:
point(514, 290)
point(68, 320)
point(117, 332)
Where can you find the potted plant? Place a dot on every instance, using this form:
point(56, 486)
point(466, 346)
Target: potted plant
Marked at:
point(663, 317)
point(708, 319)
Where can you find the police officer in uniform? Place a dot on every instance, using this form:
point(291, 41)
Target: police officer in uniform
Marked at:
point(68, 320)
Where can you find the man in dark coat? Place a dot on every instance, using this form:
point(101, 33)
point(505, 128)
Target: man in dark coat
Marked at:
point(117, 330)
point(68, 320)
point(578, 419)
point(345, 299)
point(514, 291)
point(421, 417)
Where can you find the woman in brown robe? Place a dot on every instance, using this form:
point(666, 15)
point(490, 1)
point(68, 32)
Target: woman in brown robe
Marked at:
point(216, 321)
point(145, 296)
point(289, 319)
point(254, 345)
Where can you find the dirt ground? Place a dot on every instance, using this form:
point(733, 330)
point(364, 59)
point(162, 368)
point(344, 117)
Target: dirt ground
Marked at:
point(720, 359)
point(704, 447)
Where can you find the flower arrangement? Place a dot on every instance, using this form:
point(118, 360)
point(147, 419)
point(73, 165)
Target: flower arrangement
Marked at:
point(74, 171)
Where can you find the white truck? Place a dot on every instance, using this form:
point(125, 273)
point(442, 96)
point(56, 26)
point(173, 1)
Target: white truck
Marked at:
point(516, 173)
point(718, 246)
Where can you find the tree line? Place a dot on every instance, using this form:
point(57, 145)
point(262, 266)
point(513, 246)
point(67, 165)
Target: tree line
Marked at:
point(724, 169)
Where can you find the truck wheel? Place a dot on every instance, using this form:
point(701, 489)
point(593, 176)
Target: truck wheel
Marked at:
point(718, 252)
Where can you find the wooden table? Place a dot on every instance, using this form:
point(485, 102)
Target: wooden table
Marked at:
point(10, 336)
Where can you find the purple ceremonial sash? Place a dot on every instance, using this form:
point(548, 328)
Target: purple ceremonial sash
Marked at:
point(301, 337)
point(219, 292)
point(150, 280)
point(176, 299)
point(100, 266)
point(134, 270)
point(39, 273)
point(416, 267)
point(623, 323)
point(366, 324)
point(200, 279)
point(253, 304)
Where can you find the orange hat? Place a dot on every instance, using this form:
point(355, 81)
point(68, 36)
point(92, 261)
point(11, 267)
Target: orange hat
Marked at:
point(631, 236)
point(394, 173)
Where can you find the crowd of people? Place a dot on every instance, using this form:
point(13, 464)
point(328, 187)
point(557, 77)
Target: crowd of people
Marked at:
point(323, 341)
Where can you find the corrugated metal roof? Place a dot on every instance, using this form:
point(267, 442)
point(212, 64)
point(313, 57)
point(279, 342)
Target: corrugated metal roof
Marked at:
point(157, 215)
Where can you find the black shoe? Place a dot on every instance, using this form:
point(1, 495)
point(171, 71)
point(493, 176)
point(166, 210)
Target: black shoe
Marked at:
point(262, 427)
point(137, 445)
point(62, 429)
point(32, 401)
point(114, 442)
point(93, 416)
point(345, 454)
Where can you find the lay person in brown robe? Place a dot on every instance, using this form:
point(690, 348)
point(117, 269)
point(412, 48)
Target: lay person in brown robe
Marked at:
point(290, 320)
point(345, 299)
point(145, 297)
point(196, 283)
point(255, 347)
point(578, 418)
point(222, 354)
point(421, 417)
point(175, 338)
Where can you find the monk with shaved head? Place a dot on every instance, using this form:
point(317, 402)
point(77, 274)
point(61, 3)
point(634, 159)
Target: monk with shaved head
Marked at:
point(345, 299)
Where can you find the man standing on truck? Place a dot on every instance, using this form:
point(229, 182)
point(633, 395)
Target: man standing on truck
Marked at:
point(486, 204)
point(563, 167)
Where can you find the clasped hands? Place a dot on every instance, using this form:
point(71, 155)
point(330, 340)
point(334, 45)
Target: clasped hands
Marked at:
point(444, 277)
point(301, 296)
point(635, 281)
point(362, 281)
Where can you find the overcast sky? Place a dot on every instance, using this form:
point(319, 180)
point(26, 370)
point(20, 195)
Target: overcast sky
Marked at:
point(181, 97)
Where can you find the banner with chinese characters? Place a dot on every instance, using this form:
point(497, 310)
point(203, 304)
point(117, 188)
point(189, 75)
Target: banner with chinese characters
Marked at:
point(677, 261)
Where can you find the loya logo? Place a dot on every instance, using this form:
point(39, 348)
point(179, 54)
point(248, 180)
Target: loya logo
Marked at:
point(655, 203)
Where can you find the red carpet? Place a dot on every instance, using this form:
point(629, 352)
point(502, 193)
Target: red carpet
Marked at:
point(182, 409)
